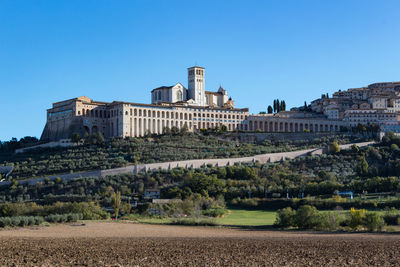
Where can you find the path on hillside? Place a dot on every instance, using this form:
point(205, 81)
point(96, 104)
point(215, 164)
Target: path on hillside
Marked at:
point(194, 163)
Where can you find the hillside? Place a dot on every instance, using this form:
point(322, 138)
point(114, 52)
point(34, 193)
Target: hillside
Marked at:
point(122, 152)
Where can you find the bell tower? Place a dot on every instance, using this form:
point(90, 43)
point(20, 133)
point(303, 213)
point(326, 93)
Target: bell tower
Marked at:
point(196, 85)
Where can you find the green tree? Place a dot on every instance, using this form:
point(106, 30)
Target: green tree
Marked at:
point(278, 105)
point(285, 217)
point(356, 218)
point(362, 167)
point(269, 109)
point(167, 131)
point(185, 128)
point(333, 148)
point(307, 217)
point(283, 105)
point(224, 129)
point(116, 203)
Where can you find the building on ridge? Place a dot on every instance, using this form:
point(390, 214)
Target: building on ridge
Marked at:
point(171, 106)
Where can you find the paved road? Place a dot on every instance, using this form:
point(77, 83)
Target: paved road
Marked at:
point(195, 163)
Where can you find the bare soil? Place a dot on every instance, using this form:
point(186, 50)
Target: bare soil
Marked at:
point(126, 244)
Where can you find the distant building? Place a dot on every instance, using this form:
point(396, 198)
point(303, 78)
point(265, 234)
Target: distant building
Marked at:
point(378, 103)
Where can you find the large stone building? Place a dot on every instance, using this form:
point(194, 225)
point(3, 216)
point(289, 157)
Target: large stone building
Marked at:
point(172, 106)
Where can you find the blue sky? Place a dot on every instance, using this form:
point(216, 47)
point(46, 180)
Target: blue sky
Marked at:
point(120, 50)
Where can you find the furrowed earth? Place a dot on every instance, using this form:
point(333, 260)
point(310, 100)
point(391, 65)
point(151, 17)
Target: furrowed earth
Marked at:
point(127, 244)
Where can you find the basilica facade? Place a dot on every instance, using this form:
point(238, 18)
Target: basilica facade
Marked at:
point(171, 106)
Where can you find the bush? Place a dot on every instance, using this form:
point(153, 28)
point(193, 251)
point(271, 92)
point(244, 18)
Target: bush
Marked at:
point(15, 221)
point(391, 219)
point(330, 221)
point(195, 221)
point(285, 217)
point(60, 218)
point(373, 221)
point(38, 220)
point(333, 148)
point(20, 221)
point(356, 218)
point(214, 212)
point(24, 221)
point(5, 221)
point(307, 217)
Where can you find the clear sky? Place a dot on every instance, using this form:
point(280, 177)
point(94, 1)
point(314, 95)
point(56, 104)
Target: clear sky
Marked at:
point(120, 50)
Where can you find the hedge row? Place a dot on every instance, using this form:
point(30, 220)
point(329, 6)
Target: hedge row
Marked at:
point(37, 220)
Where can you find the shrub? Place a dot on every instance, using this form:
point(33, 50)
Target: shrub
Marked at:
point(195, 221)
point(285, 217)
point(38, 220)
point(24, 221)
point(214, 212)
point(15, 221)
point(5, 221)
point(307, 217)
point(356, 218)
point(20, 221)
point(329, 221)
point(373, 221)
point(333, 148)
point(391, 218)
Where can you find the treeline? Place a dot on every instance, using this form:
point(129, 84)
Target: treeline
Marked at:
point(87, 210)
point(308, 217)
point(8, 147)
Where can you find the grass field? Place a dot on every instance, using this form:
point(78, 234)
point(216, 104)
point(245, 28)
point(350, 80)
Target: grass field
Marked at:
point(241, 217)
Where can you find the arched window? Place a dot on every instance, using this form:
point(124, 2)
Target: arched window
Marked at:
point(179, 95)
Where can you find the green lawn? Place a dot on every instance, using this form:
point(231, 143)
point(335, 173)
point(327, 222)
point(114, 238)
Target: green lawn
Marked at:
point(241, 217)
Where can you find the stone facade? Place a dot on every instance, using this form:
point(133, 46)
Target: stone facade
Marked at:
point(124, 119)
point(170, 108)
point(276, 123)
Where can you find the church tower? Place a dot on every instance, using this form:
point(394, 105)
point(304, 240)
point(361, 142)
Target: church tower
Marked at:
point(196, 88)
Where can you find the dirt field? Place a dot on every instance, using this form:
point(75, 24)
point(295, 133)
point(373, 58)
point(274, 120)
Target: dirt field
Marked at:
point(124, 244)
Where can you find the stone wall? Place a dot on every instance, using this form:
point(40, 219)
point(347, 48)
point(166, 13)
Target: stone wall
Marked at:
point(197, 163)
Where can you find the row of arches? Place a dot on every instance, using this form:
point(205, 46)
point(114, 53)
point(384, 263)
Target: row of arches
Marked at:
point(96, 113)
point(159, 114)
point(276, 126)
point(141, 126)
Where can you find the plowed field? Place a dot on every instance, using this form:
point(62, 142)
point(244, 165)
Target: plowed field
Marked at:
point(124, 244)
